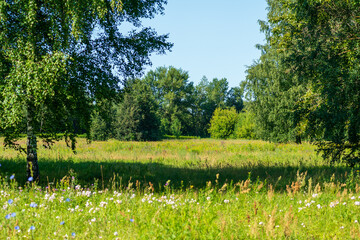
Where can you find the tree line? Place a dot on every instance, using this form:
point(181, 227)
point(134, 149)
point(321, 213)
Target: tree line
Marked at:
point(165, 102)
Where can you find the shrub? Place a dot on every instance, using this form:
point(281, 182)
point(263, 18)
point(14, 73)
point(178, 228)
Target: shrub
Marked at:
point(245, 126)
point(222, 123)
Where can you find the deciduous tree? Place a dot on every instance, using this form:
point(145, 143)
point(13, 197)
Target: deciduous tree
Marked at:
point(58, 57)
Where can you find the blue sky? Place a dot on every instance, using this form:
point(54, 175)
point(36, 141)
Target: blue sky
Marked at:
point(212, 38)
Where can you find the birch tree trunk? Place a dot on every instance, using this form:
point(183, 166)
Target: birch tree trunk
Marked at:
point(32, 169)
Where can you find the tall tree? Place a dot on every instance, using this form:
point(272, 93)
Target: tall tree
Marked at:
point(234, 99)
point(57, 57)
point(272, 89)
point(173, 92)
point(136, 116)
point(310, 65)
point(326, 51)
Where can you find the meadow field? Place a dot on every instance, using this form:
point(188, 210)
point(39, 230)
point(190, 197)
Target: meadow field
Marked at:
point(179, 189)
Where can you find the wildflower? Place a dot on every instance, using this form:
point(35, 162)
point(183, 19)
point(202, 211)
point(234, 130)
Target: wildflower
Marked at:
point(30, 179)
point(356, 221)
point(12, 177)
point(132, 220)
point(17, 228)
point(33, 205)
point(342, 227)
point(62, 223)
point(318, 206)
point(10, 201)
point(73, 234)
point(357, 203)
point(353, 198)
point(32, 228)
point(8, 216)
point(208, 198)
point(13, 214)
point(67, 200)
point(116, 233)
point(226, 201)
point(314, 195)
point(261, 223)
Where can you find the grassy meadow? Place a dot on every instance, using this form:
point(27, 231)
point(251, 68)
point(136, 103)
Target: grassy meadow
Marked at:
point(179, 189)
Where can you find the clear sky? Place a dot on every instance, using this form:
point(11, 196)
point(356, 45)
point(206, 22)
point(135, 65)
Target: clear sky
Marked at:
point(211, 37)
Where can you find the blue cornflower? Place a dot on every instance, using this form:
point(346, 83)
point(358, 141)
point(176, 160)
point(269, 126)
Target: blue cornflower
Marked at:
point(17, 228)
point(30, 179)
point(62, 223)
point(13, 214)
point(12, 177)
point(34, 205)
point(32, 228)
point(73, 234)
point(67, 200)
point(10, 201)
point(8, 216)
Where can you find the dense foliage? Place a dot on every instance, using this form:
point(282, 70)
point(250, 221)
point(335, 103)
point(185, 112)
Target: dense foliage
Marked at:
point(135, 117)
point(307, 82)
point(223, 122)
point(166, 98)
point(59, 57)
point(245, 126)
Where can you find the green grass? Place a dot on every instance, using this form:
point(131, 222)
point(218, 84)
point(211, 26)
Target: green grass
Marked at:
point(180, 189)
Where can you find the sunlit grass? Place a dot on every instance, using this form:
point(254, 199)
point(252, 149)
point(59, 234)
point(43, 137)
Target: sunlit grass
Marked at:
point(179, 189)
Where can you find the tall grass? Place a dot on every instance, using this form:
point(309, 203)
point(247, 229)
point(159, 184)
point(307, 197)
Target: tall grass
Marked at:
point(184, 162)
point(179, 189)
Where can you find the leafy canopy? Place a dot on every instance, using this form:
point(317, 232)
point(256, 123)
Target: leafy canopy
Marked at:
point(59, 57)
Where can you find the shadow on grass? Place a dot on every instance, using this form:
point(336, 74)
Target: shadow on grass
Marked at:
point(88, 172)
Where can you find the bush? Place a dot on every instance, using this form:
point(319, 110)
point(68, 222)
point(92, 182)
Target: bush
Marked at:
point(222, 123)
point(245, 127)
